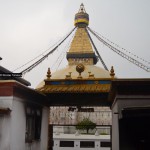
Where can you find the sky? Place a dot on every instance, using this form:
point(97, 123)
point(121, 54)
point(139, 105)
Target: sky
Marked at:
point(30, 27)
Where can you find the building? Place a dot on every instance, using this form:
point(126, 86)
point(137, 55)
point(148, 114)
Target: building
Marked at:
point(70, 115)
point(130, 114)
point(23, 115)
point(81, 87)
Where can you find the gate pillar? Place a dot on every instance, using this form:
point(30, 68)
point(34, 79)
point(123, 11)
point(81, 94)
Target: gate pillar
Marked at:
point(50, 137)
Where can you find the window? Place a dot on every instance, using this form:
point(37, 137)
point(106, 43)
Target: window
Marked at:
point(105, 144)
point(66, 144)
point(87, 144)
point(33, 123)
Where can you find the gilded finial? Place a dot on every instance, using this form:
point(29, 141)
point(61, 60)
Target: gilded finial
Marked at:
point(80, 68)
point(112, 72)
point(81, 8)
point(48, 74)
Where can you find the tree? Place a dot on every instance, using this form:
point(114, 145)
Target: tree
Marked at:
point(86, 124)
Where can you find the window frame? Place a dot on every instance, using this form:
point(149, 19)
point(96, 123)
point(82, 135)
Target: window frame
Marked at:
point(33, 123)
point(66, 144)
point(105, 144)
point(87, 144)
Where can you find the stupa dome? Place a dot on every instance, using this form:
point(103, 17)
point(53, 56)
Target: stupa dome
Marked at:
point(90, 71)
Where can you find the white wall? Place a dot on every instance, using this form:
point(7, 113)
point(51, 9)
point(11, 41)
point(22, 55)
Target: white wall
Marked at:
point(4, 132)
point(77, 145)
point(18, 124)
point(5, 124)
point(13, 126)
point(44, 128)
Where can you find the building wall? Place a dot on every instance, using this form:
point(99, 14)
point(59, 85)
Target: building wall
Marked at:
point(124, 101)
point(13, 126)
point(44, 128)
point(61, 115)
point(5, 123)
point(42, 144)
point(77, 144)
point(132, 101)
point(115, 128)
point(18, 125)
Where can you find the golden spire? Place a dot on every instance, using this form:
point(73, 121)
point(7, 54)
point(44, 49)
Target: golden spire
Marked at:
point(81, 49)
point(81, 42)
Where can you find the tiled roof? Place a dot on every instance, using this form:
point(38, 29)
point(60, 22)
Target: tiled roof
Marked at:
point(85, 88)
point(19, 79)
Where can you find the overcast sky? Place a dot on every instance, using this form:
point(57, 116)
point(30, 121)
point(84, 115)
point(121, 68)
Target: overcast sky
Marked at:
point(29, 27)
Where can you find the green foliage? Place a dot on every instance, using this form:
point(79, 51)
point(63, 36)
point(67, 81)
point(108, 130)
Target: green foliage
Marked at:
point(103, 133)
point(86, 124)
